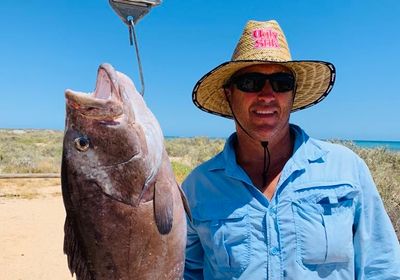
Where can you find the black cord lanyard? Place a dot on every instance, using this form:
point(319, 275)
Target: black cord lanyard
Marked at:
point(264, 144)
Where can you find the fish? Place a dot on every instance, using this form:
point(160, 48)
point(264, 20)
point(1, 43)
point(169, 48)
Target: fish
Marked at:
point(125, 212)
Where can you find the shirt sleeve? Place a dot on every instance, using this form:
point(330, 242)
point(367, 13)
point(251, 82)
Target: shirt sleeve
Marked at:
point(376, 247)
point(194, 255)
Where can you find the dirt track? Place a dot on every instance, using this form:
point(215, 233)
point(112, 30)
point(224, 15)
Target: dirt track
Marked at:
point(31, 238)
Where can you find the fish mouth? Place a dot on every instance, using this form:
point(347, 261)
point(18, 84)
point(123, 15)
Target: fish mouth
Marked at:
point(105, 103)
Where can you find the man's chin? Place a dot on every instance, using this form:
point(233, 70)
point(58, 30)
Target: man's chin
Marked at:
point(268, 132)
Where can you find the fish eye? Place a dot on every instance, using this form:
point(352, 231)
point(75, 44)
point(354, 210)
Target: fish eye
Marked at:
point(82, 144)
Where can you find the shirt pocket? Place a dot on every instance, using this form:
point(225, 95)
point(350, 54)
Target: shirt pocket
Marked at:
point(225, 237)
point(323, 218)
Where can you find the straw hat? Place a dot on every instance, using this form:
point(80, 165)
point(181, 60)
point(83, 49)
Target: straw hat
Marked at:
point(264, 43)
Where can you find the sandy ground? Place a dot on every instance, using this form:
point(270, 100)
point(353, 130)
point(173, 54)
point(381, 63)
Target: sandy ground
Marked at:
point(31, 237)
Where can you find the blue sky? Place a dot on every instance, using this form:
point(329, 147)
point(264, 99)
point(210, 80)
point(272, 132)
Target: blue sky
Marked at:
point(48, 46)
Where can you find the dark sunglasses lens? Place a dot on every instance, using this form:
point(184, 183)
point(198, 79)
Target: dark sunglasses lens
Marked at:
point(282, 82)
point(252, 82)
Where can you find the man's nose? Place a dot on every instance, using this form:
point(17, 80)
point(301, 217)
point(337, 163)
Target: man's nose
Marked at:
point(267, 92)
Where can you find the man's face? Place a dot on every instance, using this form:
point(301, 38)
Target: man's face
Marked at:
point(263, 114)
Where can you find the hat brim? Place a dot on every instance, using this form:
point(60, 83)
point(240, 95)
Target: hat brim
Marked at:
point(314, 81)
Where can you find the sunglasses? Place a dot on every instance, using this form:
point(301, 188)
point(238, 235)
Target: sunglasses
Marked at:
point(255, 82)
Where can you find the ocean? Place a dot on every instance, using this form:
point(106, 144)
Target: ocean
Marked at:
point(390, 145)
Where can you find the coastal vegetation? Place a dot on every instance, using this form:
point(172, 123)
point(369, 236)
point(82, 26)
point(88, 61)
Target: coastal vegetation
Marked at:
point(39, 151)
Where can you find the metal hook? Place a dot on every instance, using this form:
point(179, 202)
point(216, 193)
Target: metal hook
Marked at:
point(132, 34)
point(131, 11)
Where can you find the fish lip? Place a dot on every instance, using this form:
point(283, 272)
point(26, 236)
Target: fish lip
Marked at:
point(111, 77)
point(105, 102)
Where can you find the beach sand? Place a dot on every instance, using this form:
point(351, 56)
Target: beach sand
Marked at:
point(31, 236)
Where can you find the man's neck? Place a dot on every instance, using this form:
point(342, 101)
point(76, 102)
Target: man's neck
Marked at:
point(250, 156)
point(249, 150)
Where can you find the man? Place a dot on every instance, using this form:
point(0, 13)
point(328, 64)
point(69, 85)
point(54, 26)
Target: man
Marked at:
point(275, 203)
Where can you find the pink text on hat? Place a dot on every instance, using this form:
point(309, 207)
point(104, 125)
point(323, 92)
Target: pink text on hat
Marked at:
point(265, 38)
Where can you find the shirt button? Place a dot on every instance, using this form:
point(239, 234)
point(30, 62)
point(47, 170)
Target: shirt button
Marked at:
point(272, 212)
point(274, 251)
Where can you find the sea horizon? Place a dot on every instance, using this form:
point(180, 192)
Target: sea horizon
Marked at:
point(374, 144)
point(369, 144)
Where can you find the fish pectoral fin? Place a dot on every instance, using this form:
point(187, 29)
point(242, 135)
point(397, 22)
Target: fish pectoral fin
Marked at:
point(185, 202)
point(163, 206)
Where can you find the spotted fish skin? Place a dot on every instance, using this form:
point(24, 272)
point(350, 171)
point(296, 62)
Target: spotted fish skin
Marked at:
point(125, 212)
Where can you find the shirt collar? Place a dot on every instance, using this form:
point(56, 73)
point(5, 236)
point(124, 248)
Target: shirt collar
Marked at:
point(305, 151)
point(227, 158)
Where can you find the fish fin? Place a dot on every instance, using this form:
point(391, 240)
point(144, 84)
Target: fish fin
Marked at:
point(185, 202)
point(72, 248)
point(76, 262)
point(163, 206)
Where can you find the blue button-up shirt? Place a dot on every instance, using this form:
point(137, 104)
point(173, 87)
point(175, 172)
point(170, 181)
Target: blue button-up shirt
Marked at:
point(325, 221)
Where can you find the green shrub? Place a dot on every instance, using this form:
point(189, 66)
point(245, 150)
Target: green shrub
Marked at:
point(39, 151)
point(180, 170)
point(30, 151)
point(385, 169)
point(193, 151)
